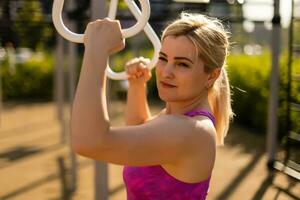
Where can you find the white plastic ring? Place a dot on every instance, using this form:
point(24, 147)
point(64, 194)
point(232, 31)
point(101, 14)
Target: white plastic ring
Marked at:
point(150, 34)
point(78, 38)
point(141, 17)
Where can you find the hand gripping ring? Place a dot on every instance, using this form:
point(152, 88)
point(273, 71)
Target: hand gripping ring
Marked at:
point(149, 33)
point(142, 19)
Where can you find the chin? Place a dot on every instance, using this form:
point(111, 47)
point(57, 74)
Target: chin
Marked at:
point(167, 98)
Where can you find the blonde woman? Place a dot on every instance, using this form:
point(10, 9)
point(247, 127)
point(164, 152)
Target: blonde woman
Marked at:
point(170, 155)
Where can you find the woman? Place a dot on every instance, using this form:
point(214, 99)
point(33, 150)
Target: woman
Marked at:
point(171, 155)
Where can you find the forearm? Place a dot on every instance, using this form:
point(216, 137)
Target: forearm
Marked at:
point(89, 118)
point(137, 109)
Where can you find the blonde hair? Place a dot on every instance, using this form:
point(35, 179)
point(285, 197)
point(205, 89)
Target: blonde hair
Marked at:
point(211, 42)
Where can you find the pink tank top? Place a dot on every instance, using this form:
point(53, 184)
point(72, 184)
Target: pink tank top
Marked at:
point(154, 183)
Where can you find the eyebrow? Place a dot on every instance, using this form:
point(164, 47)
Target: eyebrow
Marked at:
point(177, 58)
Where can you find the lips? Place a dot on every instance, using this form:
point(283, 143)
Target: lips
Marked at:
point(168, 85)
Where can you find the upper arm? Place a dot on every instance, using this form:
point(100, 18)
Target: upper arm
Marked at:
point(163, 140)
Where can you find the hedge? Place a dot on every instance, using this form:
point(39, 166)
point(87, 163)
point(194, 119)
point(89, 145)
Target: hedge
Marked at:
point(31, 80)
point(248, 75)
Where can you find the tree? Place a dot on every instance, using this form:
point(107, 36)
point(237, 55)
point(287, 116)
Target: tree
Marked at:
point(30, 25)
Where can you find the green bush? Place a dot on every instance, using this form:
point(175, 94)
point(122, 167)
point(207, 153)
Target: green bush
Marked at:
point(30, 80)
point(248, 75)
point(249, 78)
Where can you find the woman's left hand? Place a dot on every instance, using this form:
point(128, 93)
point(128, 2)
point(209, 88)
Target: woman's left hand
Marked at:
point(103, 36)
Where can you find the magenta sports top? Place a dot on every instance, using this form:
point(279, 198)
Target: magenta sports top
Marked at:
point(154, 182)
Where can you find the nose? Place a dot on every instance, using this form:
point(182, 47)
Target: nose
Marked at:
point(167, 71)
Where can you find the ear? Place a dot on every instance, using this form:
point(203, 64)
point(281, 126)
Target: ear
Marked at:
point(214, 74)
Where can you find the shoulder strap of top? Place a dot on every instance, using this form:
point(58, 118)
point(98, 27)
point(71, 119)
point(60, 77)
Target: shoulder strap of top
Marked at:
point(201, 112)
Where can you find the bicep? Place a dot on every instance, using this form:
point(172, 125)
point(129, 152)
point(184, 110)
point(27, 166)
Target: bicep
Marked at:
point(163, 140)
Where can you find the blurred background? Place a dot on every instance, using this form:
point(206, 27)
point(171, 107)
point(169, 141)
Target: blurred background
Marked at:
point(39, 71)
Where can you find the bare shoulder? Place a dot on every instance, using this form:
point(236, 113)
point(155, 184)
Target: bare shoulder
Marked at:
point(199, 131)
point(198, 162)
point(205, 126)
point(199, 127)
point(202, 156)
point(204, 134)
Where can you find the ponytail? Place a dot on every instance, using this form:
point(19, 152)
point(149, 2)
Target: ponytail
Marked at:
point(220, 102)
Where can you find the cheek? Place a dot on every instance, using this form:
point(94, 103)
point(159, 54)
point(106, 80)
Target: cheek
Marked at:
point(193, 83)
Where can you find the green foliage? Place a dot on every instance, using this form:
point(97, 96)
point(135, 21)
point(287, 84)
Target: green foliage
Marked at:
point(249, 78)
point(296, 33)
point(30, 80)
point(31, 27)
point(249, 81)
point(122, 5)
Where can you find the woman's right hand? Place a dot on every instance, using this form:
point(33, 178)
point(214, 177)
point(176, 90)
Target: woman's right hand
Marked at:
point(137, 70)
point(110, 41)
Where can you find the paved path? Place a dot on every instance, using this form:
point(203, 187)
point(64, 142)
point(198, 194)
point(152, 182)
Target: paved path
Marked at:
point(30, 148)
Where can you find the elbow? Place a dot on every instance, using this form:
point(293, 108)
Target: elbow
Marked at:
point(91, 151)
point(74, 146)
point(78, 144)
point(89, 147)
point(81, 148)
point(78, 141)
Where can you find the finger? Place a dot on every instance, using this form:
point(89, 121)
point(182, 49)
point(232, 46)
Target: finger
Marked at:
point(145, 60)
point(147, 76)
point(145, 71)
point(135, 60)
point(140, 73)
point(117, 24)
point(132, 70)
point(128, 70)
point(128, 66)
point(130, 62)
point(118, 47)
point(135, 65)
point(135, 69)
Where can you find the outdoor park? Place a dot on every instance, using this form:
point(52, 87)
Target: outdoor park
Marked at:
point(40, 64)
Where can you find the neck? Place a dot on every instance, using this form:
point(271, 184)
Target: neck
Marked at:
point(181, 107)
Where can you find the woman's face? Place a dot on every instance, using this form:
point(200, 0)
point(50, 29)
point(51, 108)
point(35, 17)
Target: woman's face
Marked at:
point(180, 73)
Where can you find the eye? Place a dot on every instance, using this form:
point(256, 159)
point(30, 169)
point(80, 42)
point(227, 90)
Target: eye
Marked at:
point(183, 64)
point(162, 59)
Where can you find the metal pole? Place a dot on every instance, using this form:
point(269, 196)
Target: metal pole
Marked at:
point(101, 168)
point(59, 85)
point(0, 90)
point(274, 87)
point(2, 54)
point(72, 55)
